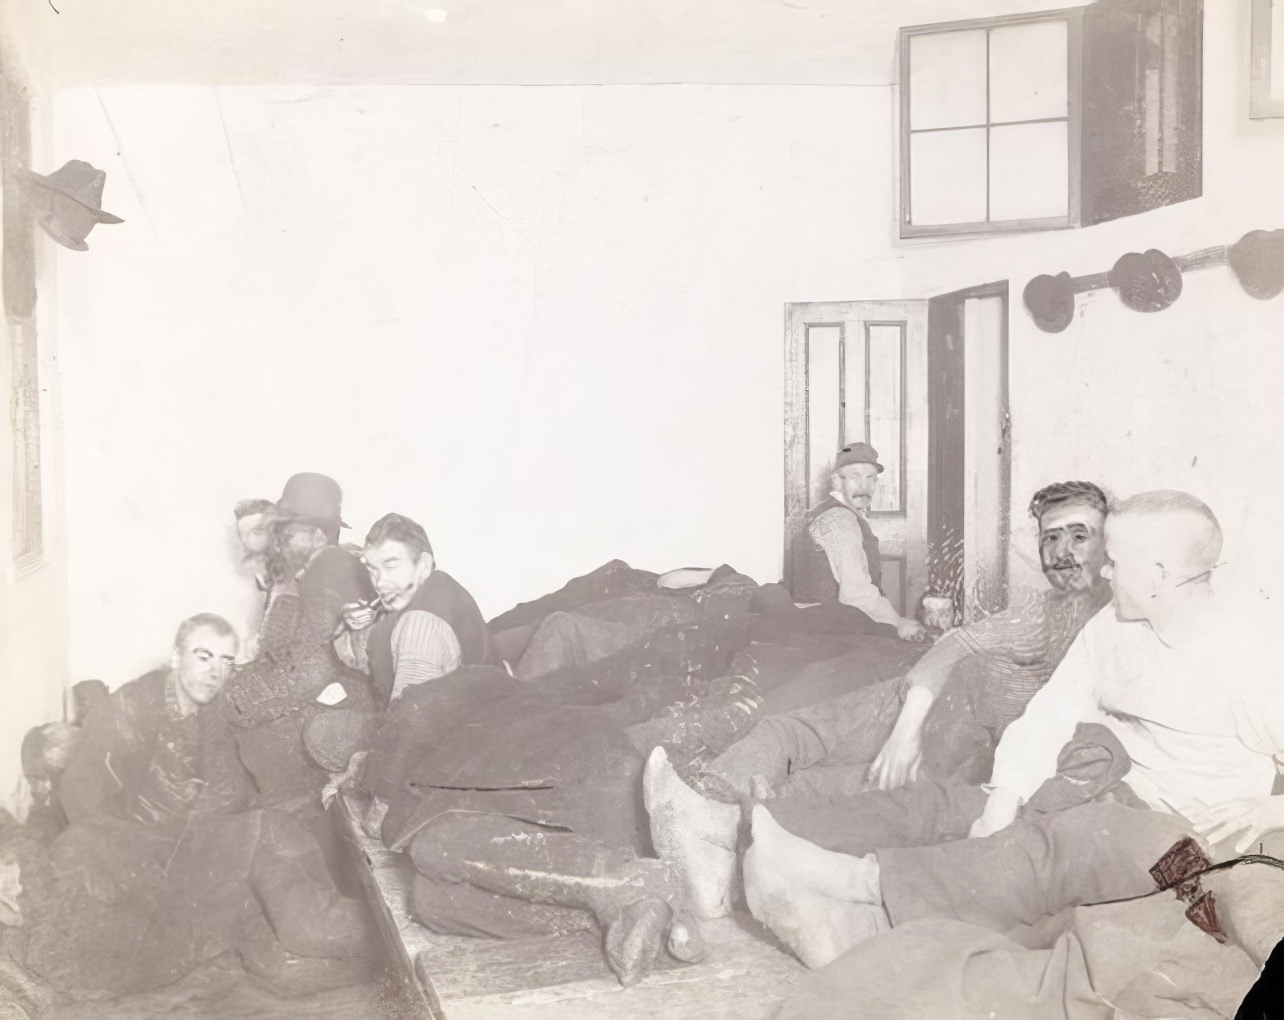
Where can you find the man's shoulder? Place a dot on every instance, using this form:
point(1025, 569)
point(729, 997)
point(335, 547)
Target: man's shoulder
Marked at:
point(441, 581)
point(146, 689)
point(833, 519)
point(1109, 639)
point(1106, 623)
point(132, 703)
point(333, 560)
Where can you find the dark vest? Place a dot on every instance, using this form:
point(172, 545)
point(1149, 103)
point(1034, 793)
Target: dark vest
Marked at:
point(445, 597)
point(813, 576)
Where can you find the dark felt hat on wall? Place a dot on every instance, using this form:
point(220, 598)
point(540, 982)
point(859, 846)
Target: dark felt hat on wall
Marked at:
point(72, 202)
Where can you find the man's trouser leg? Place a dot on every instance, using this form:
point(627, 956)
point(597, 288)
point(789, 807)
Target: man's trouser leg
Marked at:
point(921, 814)
point(488, 874)
point(843, 733)
point(1038, 865)
point(334, 735)
point(290, 879)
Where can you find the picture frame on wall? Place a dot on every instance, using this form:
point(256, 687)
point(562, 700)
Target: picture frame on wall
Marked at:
point(1266, 82)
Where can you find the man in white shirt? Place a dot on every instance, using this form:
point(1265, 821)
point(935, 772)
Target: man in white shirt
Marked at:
point(1165, 675)
point(838, 529)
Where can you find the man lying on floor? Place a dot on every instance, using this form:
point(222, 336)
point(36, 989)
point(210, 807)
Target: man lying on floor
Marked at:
point(656, 654)
point(1173, 715)
point(517, 798)
point(162, 867)
point(943, 719)
point(937, 727)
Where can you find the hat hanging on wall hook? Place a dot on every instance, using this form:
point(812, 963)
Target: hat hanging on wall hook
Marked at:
point(69, 202)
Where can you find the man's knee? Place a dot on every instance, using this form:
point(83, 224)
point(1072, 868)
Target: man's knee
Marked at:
point(334, 736)
point(453, 908)
point(441, 848)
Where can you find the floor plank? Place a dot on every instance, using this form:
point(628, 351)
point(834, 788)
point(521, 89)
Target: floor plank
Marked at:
point(459, 978)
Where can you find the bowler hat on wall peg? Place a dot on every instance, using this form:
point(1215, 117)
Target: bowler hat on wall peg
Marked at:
point(69, 202)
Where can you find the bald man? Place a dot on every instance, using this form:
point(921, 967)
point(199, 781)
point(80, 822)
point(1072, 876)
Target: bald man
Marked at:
point(1164, 718)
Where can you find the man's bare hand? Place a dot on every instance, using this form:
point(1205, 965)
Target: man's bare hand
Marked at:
point(1000, 811)
point(357, 616)
point(897, 763)
point(345, 780)
point(911, 630)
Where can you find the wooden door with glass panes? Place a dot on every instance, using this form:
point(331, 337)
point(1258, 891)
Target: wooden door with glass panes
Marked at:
point(857, 371)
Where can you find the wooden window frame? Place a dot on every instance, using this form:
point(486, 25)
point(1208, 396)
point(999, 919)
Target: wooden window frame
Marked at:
point(1264, 51)
point(27, 541)
point(1074, 125)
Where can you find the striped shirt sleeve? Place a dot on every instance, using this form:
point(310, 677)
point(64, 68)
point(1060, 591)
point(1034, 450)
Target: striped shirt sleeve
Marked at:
point(424, 647)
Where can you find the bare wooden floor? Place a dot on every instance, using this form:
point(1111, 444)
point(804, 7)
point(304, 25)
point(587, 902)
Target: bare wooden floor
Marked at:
point(459, 978)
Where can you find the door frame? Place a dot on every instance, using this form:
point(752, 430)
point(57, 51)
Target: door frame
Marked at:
point(947, 413)
point(946, 417)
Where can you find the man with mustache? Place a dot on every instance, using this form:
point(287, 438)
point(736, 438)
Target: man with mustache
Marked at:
point(270, 699)
point(935, 729)
point(1008, 656)
point(841, 560)
point(1164, 720)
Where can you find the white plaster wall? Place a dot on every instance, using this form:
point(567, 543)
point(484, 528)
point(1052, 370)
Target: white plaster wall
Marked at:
point(1188, 398)
point(545, 322)
point(548, 323)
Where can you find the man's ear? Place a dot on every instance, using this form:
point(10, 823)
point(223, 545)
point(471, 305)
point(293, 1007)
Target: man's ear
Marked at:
point(173, 659)
point(1161, 575)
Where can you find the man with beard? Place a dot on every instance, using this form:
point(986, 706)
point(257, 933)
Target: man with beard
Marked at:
point(271, 699)
point(254, 532)
point(936, 728)
point(1164, 720)
point(840, 557)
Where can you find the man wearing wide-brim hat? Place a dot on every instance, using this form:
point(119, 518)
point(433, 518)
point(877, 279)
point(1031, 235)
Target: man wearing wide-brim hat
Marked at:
point(841, 538)
point(272, 698)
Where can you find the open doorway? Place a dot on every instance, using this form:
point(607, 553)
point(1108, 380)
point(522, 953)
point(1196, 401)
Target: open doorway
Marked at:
point(925, 382)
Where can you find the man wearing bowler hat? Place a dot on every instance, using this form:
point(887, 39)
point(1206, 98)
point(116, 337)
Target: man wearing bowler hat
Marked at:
point(837, 529)
point(273, 697)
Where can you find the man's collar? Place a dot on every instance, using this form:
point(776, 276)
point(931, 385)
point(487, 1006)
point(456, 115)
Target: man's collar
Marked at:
point(173, 707)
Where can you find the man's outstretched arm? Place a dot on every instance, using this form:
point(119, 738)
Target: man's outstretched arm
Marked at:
point(1028, 750)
